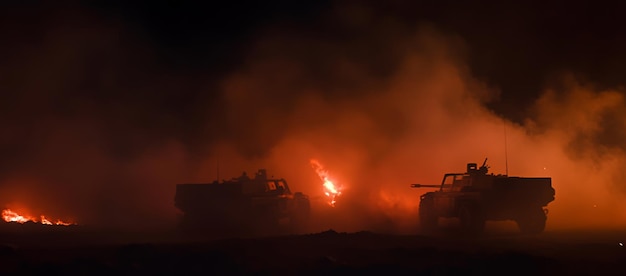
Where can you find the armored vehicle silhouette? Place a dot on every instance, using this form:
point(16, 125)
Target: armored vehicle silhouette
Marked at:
point(475, 197)
point(242, 205)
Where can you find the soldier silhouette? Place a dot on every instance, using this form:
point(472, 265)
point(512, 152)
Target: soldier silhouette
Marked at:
point(244, 176)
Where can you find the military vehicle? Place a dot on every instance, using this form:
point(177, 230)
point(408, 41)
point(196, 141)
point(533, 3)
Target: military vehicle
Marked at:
point(475, 197)
point(242, 206)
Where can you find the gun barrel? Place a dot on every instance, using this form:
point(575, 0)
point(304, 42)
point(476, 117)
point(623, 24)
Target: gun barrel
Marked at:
point(425, 186)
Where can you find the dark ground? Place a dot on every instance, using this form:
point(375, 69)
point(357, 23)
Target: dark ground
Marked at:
point(75, 250)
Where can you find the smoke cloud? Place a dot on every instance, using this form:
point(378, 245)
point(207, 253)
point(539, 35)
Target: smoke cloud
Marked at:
point(96, 130)
point(428, 118)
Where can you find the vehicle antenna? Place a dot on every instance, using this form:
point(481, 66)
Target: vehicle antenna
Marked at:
point(506, 161)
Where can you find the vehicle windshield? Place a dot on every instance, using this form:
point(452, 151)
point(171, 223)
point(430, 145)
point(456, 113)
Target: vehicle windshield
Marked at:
point(453, 182)
point(279, 186)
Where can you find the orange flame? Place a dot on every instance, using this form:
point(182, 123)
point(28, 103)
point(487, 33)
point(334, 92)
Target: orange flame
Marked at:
point(331, 190)
point(11, 216)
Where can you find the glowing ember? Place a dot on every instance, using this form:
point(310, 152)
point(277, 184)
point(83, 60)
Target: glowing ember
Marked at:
point(11, 216)
point(44, 220)
point(331, 190)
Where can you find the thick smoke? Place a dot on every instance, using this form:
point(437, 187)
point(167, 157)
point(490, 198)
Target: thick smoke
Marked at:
point(88, 123)
point(427, 118)
point(96, 131)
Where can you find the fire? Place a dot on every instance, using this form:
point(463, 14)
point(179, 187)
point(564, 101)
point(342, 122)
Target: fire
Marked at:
point(331, 190)
point(10, 216)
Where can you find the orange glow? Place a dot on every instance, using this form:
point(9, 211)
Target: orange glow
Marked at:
point(10, 216)
point(331, 190)
point(44, 220)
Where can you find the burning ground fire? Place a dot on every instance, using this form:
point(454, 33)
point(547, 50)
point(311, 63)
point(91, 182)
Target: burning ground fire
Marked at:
point(331, 190)
point(11, 216)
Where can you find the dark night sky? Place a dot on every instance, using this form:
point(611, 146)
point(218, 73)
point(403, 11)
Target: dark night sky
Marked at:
point(515, 46)
point(184, 48)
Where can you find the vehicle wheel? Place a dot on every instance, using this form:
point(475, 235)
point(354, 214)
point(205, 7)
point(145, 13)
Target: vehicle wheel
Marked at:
point(427, 216)
point(472, 221)
point(300, 217)
point(532, 222)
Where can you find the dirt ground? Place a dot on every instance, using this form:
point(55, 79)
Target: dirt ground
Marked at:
point(74, 250)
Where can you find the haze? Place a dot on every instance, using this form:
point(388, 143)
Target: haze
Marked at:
point(96, 130)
